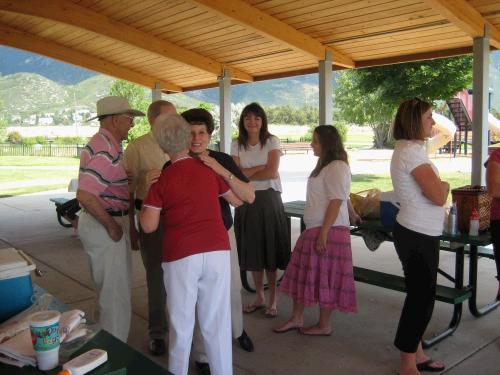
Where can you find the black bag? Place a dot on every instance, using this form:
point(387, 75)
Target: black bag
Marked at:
point(69, 209)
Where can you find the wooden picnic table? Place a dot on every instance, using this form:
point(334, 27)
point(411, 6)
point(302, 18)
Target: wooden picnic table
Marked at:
point(456, 294)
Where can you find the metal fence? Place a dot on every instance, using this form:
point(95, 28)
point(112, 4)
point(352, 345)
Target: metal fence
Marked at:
point(41, 150)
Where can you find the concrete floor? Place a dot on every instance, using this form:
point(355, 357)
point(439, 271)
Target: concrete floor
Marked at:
point(361, 342)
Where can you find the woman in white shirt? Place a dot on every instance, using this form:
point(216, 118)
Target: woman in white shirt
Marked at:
point(419, 223)
point(320, 270)
point(261, 229)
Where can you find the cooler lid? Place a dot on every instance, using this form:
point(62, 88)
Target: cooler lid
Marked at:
point(14, 263)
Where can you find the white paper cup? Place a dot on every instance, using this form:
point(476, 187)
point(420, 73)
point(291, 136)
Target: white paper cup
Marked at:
point(44, 327)
point(47, 360)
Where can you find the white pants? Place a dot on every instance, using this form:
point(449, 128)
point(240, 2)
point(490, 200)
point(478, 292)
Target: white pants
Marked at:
point(199, 285)
point(199, 353)
point(111, 268)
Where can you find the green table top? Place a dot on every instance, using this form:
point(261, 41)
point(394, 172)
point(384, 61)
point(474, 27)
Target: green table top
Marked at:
point(296, 209)
point(122, 358)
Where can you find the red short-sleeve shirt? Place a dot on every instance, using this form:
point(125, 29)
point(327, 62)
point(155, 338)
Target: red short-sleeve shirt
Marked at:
point(188, 193)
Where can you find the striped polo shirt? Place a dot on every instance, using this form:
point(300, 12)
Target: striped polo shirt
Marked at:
point(102, 173)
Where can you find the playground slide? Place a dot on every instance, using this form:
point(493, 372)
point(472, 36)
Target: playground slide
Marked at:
point(494, 125)
point(443, 132)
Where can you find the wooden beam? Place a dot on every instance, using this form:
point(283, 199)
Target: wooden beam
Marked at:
point(264, 24)
point(266, 77)
point(414, 57)
point(67, 12)
point(465, 17)
point(22, 40)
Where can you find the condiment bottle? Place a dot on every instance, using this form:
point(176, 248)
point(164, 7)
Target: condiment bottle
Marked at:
point(452, 228)
point(474, 223)
point(84, 362)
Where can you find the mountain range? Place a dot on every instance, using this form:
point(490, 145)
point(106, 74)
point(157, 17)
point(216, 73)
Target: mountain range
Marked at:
point(31, 83)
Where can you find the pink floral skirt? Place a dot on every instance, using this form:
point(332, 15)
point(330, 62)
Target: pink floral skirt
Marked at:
point(325, 279)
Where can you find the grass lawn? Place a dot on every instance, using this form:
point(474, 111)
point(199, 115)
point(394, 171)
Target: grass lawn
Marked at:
point(38, 161)
point(362, 182)
point(35, 180)
point(9, 176)
point(359, 140)
point(354, 139)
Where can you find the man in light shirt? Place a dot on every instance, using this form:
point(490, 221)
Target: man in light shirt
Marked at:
point(144, 156)
point(103, 224)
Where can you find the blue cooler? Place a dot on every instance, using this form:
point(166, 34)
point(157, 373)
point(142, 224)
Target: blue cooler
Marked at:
point(388, 212)
point(389, 208)
point(16, 290)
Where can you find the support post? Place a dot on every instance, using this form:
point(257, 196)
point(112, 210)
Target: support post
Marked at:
point(481, 50)
point(225, 111)
point(325, 90)
point(156, 92)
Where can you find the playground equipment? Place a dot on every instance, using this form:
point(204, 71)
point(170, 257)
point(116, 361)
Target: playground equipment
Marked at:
point(494, 125)
point(443, 132)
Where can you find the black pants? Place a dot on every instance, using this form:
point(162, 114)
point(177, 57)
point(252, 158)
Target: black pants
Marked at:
point(495, 234)
point(419, 255)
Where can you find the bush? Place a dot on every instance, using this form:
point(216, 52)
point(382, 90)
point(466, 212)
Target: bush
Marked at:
point(342, 127)
point(70, 141)
point(14, 137)
point(28, 141)
point(307, 137)
point(41, 139)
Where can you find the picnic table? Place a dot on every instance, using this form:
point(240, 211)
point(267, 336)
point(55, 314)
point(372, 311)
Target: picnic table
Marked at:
point(455, 294)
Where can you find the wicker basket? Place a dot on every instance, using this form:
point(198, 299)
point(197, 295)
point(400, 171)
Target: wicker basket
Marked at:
point(467, 198)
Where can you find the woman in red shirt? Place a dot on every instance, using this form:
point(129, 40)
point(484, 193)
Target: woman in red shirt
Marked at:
point(195, 245)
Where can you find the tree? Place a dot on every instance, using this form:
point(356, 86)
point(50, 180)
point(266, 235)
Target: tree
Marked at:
point(291, 115)
point(354, 106)
point(136, 96)
point(371, 96)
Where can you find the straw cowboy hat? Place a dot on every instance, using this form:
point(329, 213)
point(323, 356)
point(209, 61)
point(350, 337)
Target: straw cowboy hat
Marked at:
point(114, 105)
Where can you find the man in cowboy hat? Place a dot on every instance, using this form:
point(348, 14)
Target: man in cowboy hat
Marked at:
point(104, 225)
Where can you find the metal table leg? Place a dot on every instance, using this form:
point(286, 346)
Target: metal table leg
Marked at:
point(476, 311)
point(457, 309)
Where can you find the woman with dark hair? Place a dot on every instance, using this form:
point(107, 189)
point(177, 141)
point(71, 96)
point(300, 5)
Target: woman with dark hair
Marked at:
point(419, 223)
point(320, 270)
point(261, 229)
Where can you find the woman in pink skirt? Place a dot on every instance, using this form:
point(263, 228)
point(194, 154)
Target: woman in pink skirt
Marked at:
point(320, 269)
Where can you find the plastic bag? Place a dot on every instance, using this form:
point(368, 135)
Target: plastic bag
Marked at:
point(81, 333)
point(367, 203)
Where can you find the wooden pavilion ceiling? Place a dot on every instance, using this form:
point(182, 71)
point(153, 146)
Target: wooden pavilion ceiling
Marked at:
point(186, 44)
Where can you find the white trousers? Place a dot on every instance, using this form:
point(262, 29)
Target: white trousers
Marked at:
point(199, 285)
point(199, 353)
point(111, 268)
